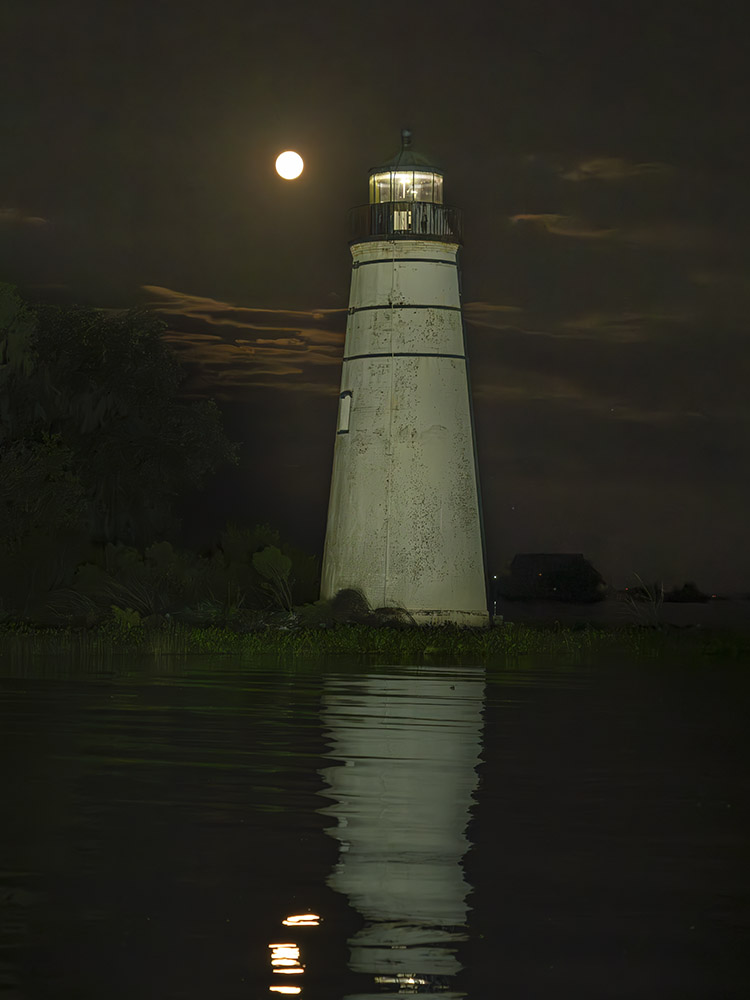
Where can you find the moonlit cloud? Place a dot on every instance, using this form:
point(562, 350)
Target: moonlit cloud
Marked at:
point(612, 168)
point(228, 347)
point(673, 236)
point(729, 283)
point(491, 316)
point(618, 366)
point(625, 327)
point(658, 235)
point(169, 302)
point(604, 327)
point(14, 217)
point(563, 225)
point(491, 307)
point(330, 389)
point(518, 389)
point(281, 342)
point(515, 385)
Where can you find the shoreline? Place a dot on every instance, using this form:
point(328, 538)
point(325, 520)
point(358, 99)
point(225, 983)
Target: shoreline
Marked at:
point(401, 643)
point(716, 614)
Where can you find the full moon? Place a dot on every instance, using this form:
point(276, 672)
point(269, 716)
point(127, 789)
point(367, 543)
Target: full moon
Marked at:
point(289, 165)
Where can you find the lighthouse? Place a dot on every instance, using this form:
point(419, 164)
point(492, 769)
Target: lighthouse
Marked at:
point(404, 516)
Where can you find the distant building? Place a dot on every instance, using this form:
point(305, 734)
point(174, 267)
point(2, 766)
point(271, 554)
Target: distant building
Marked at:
point(688, 593)
point(556, 576)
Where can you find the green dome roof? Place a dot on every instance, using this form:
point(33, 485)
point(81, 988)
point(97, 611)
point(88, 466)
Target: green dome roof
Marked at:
point(407, 158)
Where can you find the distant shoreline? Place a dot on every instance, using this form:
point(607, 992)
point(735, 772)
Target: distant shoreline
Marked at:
point(730, 615)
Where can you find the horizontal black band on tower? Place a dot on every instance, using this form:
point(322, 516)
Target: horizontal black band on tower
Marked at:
point(404, 238)
point(406, 354)
point(404, 260)
point(401, 305)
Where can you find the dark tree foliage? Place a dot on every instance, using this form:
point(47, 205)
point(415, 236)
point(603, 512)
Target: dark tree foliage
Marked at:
point(42, 521)
point(251, 570)
point(39, 492)
point(106, 387)
point(95, 443)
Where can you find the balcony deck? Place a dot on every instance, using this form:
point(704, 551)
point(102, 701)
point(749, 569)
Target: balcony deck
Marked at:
point(405, 220)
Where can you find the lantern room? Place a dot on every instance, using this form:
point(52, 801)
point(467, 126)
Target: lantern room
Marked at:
point(406, 184)
point(409, 176)
point(406, 200)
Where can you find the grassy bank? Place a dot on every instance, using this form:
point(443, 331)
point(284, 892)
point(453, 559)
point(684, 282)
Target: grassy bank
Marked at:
point(402, 643)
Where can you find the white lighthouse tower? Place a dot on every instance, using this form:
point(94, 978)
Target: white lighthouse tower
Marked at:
point(404, 518)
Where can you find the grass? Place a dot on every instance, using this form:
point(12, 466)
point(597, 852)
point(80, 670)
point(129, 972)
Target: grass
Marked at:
point(404, 643)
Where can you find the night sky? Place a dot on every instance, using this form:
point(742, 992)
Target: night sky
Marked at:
point(599, 151)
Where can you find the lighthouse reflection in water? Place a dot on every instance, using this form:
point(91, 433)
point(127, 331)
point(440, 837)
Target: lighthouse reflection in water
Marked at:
point(406, 749)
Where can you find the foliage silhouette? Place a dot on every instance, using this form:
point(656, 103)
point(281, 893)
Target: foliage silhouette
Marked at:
point(643, 604)
point(275, 567)
point(243, 581)
point(42, 521)
point(95, 442)
point(106, 386)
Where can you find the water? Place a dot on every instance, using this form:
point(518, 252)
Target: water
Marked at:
point(540, 830)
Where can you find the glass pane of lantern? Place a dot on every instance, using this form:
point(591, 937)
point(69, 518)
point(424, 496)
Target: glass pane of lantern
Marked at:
point(422, 186)
point(437, 194)
point(380, 188)
point(403, 185)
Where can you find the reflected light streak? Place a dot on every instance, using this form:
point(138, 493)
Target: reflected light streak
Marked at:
point(403, 979)
point(285, 955)
point(285, 959)
point(302, 920)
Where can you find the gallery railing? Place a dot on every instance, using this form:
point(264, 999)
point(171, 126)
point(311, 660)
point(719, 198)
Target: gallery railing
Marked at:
point(405, 220)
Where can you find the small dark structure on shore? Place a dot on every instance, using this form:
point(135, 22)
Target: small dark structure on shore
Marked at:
point(558, 576)
point(688, 593)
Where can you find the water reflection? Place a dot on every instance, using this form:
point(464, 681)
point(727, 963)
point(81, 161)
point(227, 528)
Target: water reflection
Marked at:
point(158, 827)
point(409, 746)
point(302, 920)
point(285, 957)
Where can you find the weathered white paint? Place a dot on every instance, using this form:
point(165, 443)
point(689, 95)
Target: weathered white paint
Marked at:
point(403, 518)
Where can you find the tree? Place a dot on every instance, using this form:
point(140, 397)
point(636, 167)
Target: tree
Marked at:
point(105, 386)
point(39, 492)
point(42, 519)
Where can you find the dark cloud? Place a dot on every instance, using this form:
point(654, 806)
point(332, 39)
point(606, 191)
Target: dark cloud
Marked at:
point(657, 234)
point(672, 236)
point(612, 168)
point(602, 327)
point(15, 217)
point(626, 327)
point(563, 225)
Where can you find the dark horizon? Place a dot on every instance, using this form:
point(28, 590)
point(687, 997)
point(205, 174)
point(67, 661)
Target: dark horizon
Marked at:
point(599, 157)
